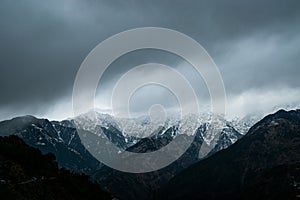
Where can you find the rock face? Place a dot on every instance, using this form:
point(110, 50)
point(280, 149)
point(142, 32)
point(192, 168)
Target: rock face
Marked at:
point(264, 164)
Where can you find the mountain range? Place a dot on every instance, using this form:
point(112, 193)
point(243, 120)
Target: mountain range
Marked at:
point(223, 160)
point(61, 137)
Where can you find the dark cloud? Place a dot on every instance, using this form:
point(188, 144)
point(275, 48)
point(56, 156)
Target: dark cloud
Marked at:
point(254, 43)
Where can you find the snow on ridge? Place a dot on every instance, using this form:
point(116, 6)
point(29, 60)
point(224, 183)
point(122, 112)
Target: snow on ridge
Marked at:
point(143, 126)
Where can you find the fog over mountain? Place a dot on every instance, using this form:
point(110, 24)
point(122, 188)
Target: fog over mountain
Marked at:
point(255, 44)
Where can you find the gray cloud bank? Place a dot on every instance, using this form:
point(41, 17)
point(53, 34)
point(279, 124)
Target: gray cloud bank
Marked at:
point(255, 44)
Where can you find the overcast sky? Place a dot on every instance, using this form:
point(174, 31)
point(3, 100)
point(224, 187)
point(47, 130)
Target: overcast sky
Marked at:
point(255, 44)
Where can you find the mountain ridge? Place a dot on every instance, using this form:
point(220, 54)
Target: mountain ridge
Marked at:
point(270, 143)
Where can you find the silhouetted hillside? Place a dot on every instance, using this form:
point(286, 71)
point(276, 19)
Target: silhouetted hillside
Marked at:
point(27, 174)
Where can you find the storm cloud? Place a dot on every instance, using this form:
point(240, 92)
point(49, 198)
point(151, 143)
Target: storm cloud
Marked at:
point(255, 44)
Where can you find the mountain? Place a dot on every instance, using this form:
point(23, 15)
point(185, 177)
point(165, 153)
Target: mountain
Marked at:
point(126, 133)
point(143, 186)
point(59, 138)
point(106, 125)
point(132, 129)
point(264, 164)
point(62, 139)
point(27, 174)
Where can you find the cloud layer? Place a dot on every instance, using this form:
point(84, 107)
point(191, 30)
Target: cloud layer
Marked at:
point(255, 44)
